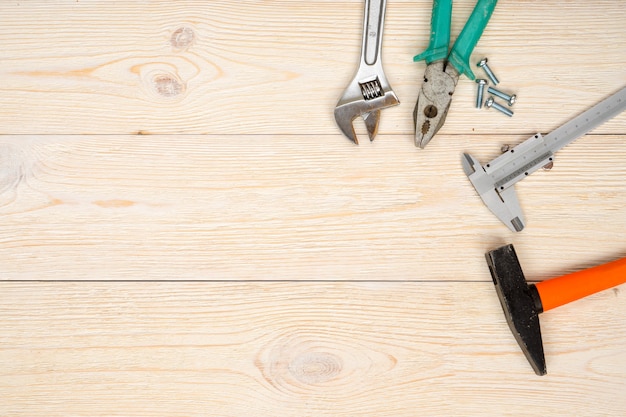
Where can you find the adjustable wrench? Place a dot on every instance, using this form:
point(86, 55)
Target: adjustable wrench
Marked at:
point(369, 91)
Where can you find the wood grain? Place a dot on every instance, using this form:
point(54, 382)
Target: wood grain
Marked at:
point(279, 67)
point(298, 349)
point(272, 208)
point(193, 143)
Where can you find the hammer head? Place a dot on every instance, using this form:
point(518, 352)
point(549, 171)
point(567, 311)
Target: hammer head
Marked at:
point(520, 302)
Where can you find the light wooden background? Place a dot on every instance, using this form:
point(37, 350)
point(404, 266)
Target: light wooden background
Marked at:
point(185, 231)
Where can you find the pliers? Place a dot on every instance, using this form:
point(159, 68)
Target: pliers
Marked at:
point(444, 69)
point(369, 91)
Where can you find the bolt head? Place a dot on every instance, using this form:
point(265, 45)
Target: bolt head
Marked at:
point(489, 102)
point(512, 100)
point(480, 81)
point(482, 62)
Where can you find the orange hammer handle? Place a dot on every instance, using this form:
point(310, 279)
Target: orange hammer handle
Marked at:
point(567, 288)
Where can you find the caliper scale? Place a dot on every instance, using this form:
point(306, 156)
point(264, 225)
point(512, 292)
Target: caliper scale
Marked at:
point(495, 181)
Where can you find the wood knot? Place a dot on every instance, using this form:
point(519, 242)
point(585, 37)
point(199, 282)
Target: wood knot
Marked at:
point(12, 171)
point(167, 85)
point(302, 363)
point(315, 367)
point(182, 38)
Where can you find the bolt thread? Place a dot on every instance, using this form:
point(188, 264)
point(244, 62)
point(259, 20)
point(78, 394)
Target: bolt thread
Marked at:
point(490, 74)
point(499, 94)
point(502, 109)
point(479, 97)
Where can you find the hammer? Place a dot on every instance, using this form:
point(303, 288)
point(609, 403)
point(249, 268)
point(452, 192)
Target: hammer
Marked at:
point(522, 303)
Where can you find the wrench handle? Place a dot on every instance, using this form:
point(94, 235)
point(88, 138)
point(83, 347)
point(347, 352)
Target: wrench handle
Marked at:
point(373, 30)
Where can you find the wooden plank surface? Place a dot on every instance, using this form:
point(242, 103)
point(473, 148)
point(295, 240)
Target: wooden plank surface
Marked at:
point(186, 232)
point(299, 349)
point(273, 207)
point(279, 67)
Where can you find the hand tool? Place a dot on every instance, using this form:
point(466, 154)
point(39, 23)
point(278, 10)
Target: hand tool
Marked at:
point(444, 69)
point(522, 303)
point(494, 181)
point(369, 91)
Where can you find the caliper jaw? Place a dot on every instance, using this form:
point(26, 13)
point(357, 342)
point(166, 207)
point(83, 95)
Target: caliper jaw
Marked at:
point(502, 202)
point(494, 182)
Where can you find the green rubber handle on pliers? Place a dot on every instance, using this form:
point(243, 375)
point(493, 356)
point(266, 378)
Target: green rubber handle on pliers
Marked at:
point(460, 54)
point(439, 32)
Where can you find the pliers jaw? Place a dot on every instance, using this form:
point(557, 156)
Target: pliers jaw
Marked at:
point(433, 101)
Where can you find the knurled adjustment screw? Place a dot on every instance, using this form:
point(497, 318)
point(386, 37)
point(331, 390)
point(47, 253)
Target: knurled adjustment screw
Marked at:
point(491, 103)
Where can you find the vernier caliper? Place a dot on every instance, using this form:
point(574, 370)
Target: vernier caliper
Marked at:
point(494, 181)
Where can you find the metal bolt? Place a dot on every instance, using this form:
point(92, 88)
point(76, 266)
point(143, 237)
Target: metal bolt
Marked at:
point(509, 99)
point(490, 103)
point(481, 88)
point(483, 64)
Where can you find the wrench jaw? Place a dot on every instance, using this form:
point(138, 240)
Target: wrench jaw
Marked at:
point(371, 120)
point(353, 105)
